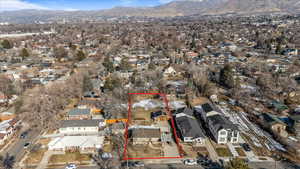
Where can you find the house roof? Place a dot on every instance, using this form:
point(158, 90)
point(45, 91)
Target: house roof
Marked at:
point(76, 141)
point(157, 114)
point(76, 112)
point(189, 127)
point(219, 122)
point(296, 117)
point(271, 119)
point(207, 107)
point(185, 110)
point(145, 133)
point(80, 123)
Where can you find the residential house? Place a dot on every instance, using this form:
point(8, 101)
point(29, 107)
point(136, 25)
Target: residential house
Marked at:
point(189, 128)
point(159, 116)
point(176, 88)
point(3, 97)
point(75, 143)
point(7, 129)
point(70, 127)
point(79, 114)
point(145, 135)
point(274, 124)
point(169, 72)
point(296, 124)
point(222, 130)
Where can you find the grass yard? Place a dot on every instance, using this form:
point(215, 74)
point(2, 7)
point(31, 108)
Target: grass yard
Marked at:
point(223, 152)
point(69, 158)
point(138, 151)
point(240, 151)
point(44, 141)
point(108, 148)
point(35, 157)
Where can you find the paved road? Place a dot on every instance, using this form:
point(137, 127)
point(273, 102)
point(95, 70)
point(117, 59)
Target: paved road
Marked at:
point(17, 148)
point(157, 166)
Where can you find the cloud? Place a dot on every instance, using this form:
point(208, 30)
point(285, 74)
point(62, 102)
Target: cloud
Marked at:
point(127, 2)
point(17, 5)
point(165, 1)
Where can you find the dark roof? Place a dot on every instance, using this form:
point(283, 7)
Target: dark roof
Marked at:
point(271, 119)
point(296, 117)
point(189, 127)
point(157, 113)
point(185, 110)
point(220, 122)
point(80, 123)
point(145, 133)
point(75, 112)
point(207, 107)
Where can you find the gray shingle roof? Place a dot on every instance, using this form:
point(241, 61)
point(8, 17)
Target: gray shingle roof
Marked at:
point(189, 127)
point(220, 122)
point(77, 111)
point(80, 123)
point(145, 133)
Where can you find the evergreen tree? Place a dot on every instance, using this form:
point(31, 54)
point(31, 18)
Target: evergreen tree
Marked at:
point(24, 53)
point(6, 44)
point(124, 65)
point(227, 77)
point(87, 84)
point(80, 55)
point(108, 64)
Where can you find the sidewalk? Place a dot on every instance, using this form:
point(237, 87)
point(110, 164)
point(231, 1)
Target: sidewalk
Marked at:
point(44, 162)
point(232, 150)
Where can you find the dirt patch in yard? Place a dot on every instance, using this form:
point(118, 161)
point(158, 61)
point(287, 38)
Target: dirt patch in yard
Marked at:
point(141, 116)
point(139, 97)
point(44, 141)
point(35, 157)
point(199, 101)
point(69, 158)
point(193, 152)
point(240, 151)
point(143, 151)
point(223, 152)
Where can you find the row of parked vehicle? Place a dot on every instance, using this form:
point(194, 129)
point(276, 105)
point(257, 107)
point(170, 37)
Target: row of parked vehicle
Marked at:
point(203, 161)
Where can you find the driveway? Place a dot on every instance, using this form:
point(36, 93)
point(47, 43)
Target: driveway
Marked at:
point(171, 150)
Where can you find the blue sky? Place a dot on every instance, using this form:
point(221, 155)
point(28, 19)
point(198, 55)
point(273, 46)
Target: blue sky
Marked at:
point(75, 4)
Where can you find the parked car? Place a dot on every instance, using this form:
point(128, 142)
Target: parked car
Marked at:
point(24, 134)
point(190, 162)
point(139, 164)
point(26, 145)
point(129, 164)
point(71, 166)
point(246, 147)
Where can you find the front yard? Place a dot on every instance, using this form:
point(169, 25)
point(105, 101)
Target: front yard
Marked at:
point(34, 158)
point(143, 151)
point(223, 152)
point(69, 157)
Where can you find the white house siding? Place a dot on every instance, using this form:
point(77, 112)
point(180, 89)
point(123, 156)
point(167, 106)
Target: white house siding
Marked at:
point(83, 143)
point(222, 136)
point(70, 130)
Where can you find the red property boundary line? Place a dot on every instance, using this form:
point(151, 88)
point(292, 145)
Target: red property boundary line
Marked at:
point(125, 157)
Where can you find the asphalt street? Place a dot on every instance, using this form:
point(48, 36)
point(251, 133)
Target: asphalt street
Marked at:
point(152, 166)
point(17, 149)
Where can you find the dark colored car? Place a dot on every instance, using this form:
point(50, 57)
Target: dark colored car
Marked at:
point(24, 134)
point(26, 145)
point(246, 147)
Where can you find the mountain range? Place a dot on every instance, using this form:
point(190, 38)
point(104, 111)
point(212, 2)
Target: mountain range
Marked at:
point(172, 9)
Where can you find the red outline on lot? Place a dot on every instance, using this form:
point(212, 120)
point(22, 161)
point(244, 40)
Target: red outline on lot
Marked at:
point(172, 124)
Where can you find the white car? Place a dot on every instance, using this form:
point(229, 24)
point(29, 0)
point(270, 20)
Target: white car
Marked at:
point(190, 162)
point(71, 166)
